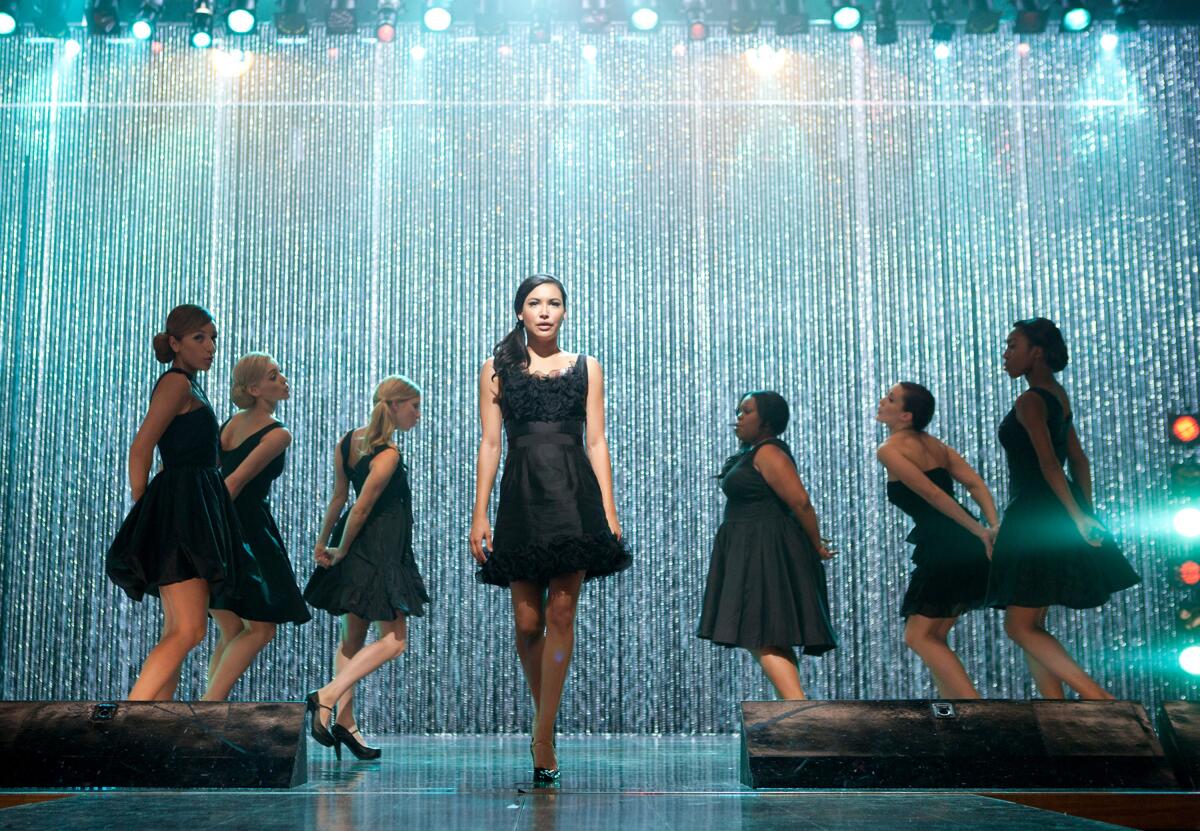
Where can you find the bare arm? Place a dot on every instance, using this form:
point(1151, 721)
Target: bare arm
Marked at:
point(1081, 468)
point(597, 444)
point(382, 468)
point(903, 469)
point(487, 461)
point(779, 472)
point(967, 476)
point(341, 491)
point(171, 397)
point(272, 444)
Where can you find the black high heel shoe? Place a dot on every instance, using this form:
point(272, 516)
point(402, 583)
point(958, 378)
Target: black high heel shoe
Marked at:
point(543, 777)
point(319, 732)
point(360, 750)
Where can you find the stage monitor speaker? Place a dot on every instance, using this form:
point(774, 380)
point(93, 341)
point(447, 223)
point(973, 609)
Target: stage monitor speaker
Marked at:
point(1179, 728)
point(151, 744)
point(951, 744)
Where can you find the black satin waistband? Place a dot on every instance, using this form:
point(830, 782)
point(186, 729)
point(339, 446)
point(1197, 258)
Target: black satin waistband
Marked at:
point(526, 433)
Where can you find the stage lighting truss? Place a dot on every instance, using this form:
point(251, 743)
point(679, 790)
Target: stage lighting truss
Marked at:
point(9, 17)
point(1076, 16)
point(847, 16)
point(594, 17)
point(489, 18)
point(743, 17)
point(103, 17)
point(982, 19)
point(887, 31)
point(792, 19)
point(1031, 17)
point(696, 14)
point(202, 24)
point(643, 15)
point(291, 18)
point(241, 18)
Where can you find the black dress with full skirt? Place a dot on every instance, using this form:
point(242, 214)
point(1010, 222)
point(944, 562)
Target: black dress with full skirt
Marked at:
point(378, 577)
point(261, 533)
point(950, 574)
point(550, 519)
point(1040, 558)
point(185, 525)
point(766, 585)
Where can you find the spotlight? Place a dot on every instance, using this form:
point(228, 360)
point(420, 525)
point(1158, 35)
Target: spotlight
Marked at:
point(240, 19)
point(1031, 18)
point(489, 18)
point(8, 17)
point(437, 17)
point(1189, 573)
point(341, 19)
point(1125, 12)
point(48, 18)
point(943, 25)
point(385, 20)
point(644, 15)
point(147, 19)
point(1109, 41)
point(886, 30)
point(847, 16)
point(72, 48)
point(981, 18)
point(1184, 428)
point(695, 11)
point(1189, 659)
point(589, 52)
point(595, 16)
point(102, 17)
point(291, 18)
point(1187, 522)
point(202, 24)
point(1076, 17)
point(418, 52)
point(743, 17)
point(793, 18)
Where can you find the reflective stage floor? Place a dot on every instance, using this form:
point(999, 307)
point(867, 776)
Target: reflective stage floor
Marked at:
point(482, 782)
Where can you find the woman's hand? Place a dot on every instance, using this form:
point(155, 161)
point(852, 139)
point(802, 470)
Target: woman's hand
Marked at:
point(334, 555)
point(1091, 530)
point(987, 536)
point(614, 525)
point(824, 549)
point(481, 538)
point(321, 555)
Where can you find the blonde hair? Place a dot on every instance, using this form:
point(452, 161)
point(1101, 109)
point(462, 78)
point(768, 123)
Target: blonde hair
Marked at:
point(181, 322)
point(250, 369)
point(394, 388)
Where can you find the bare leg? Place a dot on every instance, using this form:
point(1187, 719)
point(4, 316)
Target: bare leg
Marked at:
point(354, 637)
point(1049, 685)
point(185, 622)
point(562, 598)
point(167, 691)
point(230, 626)
point(926, 636)
point(781, 668)
point(529, 616)
point(392, 641)
point(1026, 627)
point(238, 654)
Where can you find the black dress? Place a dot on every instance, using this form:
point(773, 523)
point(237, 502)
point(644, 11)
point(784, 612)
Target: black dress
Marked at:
point(766, 586)
point(378, 576)
point(1040, 558)
point(550, 519)
point(951, 573)
point(185, 525)
point(262, 535)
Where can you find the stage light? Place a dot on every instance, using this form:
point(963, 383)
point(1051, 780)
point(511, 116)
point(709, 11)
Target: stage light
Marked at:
point(941, 51)
point(231, 63)
point(793, 18)
point(202, 23)
point(341, 19)
point(886, 30)
point(1076, 17)
point(943, 24)
point(147, 19)
point(1187, 522)
point(589, 52)
point(1109, 42)
point(102, 17)
point(1184, 428)
point(8, 17)
point(981, 18)
point(437, 16)
point(72, 48)
point(48, 18)
point(418, 52)
point(847, 16)
point(644, 16)
point(1189, 573)
point(743, 17)
point(1031, 18)
point(291, 18)
point(489, 18)
point(386, 15)
point(1189, 659)
point(241, 19)
point(695, 11)
point(1125, 12)
point(594, 17)
point(766, 61)
point(697, 30)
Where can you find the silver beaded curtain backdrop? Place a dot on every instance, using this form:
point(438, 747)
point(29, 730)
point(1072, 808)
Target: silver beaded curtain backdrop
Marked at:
point(818, 216)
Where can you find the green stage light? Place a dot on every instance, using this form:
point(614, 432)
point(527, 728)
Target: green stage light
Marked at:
point(1076, 17)
point(1189, 659)
point(1187, 522)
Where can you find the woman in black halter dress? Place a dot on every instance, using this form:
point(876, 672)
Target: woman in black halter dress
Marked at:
point(1051, 550)
point(182, 540)
point(253, 450)
point(951, 547)
point(556, 524)
point(766, 589)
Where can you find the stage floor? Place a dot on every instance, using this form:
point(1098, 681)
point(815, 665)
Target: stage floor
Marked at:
point(482, 782)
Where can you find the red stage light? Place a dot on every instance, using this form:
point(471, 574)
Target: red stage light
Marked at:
point(1189, 573)
point(386, 33)
point(698, 30)
point(1185, 429)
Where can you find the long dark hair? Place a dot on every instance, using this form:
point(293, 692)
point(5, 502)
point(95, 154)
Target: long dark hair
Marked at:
point(511, 352)
point(1042, 332)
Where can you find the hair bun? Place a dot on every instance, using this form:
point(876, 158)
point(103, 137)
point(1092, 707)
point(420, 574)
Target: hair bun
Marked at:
point(162, 348)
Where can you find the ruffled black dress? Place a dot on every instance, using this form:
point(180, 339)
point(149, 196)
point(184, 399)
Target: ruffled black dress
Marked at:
point(550, 519)
point(1040, 558)
point(766, 585)
point(262, 535)
point(951, 565)
point(378, 577)
point(185, 525)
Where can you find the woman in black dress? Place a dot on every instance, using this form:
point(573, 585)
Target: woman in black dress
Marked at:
point(253, 448)
point(369, 572)
point(182, 540)
point(766, 588)
point(951, 547)
point(1051, 550)
point(556, 523)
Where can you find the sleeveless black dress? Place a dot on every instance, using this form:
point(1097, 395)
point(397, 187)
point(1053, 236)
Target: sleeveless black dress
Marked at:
point(951, 565)
point(378, 577)
point(1040, 558)
point(185, 525)
point(766, 586)
point(261, 533)
point(550, 519)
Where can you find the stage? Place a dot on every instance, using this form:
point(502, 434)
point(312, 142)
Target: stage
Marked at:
point(624, 782)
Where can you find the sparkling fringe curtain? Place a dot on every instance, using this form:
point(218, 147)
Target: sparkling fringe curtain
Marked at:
point(862, 215)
